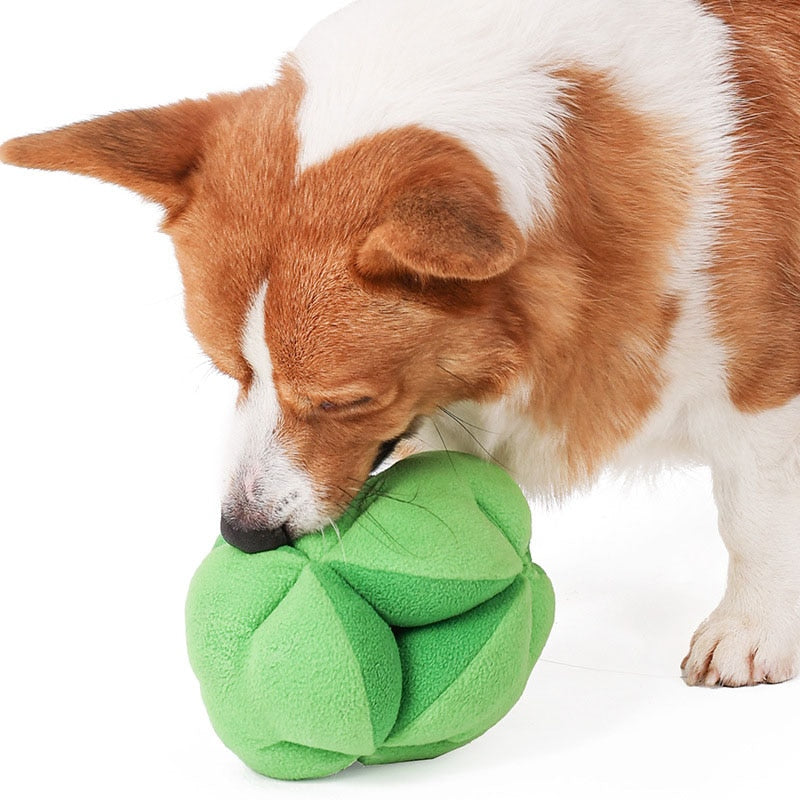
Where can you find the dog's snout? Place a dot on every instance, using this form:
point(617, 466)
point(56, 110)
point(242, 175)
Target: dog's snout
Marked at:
point(253, 540)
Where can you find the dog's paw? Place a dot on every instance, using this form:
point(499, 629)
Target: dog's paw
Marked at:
point(730, 649)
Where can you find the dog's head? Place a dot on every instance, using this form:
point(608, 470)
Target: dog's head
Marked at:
point(348, 299)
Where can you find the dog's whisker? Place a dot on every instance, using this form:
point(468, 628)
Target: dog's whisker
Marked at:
point(444, 444)
point(453, 375)
point(396, 499)
point(472, 436)
point(364, 511)
point(451, 413)
point(339, 537)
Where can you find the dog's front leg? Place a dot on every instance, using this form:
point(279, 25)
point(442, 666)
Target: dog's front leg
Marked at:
point(753, 636)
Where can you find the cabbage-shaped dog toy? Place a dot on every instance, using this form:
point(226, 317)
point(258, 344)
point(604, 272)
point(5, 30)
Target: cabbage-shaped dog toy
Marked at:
point(405, 631)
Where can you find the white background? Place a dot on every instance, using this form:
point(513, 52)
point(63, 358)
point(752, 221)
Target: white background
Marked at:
point(112, 432)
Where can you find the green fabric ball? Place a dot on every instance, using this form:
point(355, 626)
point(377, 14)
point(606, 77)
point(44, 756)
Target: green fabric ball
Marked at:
point(406, 630)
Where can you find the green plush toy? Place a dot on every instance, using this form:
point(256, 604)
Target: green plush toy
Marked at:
point(405, 633)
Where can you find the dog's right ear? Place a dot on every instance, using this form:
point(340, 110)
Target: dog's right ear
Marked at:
point(152, 151)
point(443, 220)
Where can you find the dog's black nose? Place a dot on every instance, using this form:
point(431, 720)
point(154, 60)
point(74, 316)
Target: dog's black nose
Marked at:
point(253, 541)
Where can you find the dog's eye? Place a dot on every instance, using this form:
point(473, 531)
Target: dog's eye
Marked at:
point(330, 405)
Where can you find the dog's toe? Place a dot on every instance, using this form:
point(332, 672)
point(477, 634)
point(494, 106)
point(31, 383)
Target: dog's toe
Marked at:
point(728, 650)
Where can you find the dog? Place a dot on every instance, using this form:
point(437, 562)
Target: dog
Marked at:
point(561, 234)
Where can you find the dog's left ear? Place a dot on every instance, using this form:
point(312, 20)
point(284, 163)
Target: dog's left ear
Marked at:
point(449, 227)
point(151, 151)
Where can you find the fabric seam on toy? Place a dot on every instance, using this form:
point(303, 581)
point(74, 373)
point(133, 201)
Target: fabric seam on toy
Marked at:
point(471, 661)
point(350, 646)
point(333, 565)
point(491, 517)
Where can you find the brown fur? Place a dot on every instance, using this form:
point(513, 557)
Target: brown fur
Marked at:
point(756, 295)
point(590, 290)
point(225, 235)
point(348, 316)
point(593, 285)
point(395, 275)
point(153, 151)
point(396, 282)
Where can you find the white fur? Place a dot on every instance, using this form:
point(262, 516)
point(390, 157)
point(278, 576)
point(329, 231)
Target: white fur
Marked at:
point(754, 634)
point(483, 72)
point(265, 489)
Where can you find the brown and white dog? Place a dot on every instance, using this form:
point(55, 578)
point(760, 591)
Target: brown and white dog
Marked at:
point(566, 233)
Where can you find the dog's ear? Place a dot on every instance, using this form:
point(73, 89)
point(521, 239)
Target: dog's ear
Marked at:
point(449, 227)
point(151, 151)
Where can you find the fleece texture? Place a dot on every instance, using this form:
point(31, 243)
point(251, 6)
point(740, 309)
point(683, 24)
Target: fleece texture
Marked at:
point(405, 631)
